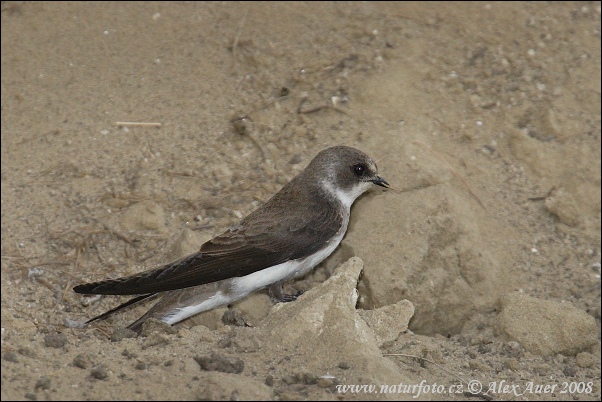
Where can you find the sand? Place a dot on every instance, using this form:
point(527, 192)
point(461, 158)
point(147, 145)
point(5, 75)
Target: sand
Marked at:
point(480, 268)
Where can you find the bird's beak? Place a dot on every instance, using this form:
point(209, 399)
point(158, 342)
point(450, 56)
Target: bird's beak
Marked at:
point(379, 181)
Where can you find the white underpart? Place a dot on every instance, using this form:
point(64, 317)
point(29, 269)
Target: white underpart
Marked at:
point(179, 314)
point(243, 286)
point(347, 197)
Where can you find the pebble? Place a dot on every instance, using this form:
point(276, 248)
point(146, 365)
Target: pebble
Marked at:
point(10, 357)
point(585, 360)
point(99, 372)
point(80, 361)
point(43, 383)
point(55, 340)
point(219, 362)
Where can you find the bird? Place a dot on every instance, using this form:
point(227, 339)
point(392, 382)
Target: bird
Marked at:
point(284, 239)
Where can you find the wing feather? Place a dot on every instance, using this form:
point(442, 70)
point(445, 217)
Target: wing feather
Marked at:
point(250, 246)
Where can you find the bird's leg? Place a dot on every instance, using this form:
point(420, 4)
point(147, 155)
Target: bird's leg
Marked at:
point(278, 296)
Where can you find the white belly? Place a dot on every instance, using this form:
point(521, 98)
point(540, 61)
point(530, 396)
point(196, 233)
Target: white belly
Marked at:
point(285, 271)
point(238, 288)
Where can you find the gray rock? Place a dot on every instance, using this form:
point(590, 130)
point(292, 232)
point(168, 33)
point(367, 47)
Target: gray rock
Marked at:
point(219, 362)
point(323, 328)
point(545, 327)
point(389, 321)
point(99, 372)
point(55, 340)
point(449, 256)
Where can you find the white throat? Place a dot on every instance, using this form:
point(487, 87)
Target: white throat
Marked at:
point(346, 197)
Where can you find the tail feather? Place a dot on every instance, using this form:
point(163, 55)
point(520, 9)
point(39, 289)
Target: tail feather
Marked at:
point(128, 303)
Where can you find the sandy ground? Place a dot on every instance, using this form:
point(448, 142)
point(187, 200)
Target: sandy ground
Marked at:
point(484, 117)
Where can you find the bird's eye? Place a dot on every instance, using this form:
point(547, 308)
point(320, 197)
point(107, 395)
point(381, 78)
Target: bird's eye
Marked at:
point(359, 169)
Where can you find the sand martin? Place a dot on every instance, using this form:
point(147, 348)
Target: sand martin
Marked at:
point(284, 239)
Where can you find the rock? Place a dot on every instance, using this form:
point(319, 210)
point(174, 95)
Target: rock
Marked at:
point(144, 215)
point(81, 361)
point(389, 321)
point(234, 317)
point(10, 357)
point(322, 328)
point(219, 362)
point(246, 341)
point(122, 333)
point(55, 340)
point(585, 360)
point(43, 383)
point(449, 256)
point(99, 372)
point(153, 325)
point(545, 327)
point(211, 319)
point(255, 307)
point(561, 204)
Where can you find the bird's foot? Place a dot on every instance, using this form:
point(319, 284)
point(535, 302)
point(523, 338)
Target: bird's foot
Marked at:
point(289, 298)
point(279, 297)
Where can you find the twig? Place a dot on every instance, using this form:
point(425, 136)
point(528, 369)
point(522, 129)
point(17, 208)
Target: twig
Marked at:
point(318, 108)
point(242, 125)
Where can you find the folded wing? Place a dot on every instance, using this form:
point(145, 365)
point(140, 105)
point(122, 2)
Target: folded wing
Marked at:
point(250, 246)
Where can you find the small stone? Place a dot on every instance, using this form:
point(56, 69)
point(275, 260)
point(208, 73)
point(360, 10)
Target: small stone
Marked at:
point(389, 321)
point(563, 205)
point(234, 317)
point(153, 325)
point(218, 362)
point(545, 327)
point(121, 333)
point(127, 353)
point(512, 364)
point(569, 371)
point(99, 372)
point(43, 383)
point(26, 351)
point(55, 340)
point(80, 361)
point(224, 342)
point(325, 382)
point(291, 379)
point(309, 378)
point(585, 360)
point(10, 357)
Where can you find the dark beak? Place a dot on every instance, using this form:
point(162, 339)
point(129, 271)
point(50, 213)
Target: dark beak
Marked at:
point(379, 181)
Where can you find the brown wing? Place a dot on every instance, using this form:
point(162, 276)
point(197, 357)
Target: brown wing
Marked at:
point(254, 244)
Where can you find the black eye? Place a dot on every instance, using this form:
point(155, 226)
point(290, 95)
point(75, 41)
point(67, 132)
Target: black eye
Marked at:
point(359, 169)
